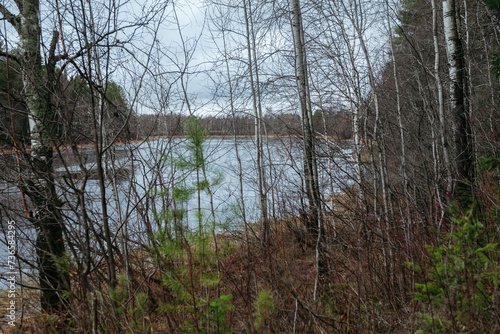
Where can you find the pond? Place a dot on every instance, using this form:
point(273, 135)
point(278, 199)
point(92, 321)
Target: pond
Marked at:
point(151, 169)
point(141, 178)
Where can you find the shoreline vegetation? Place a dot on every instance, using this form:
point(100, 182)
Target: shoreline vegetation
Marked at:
point(361, 195)
point(7, 149)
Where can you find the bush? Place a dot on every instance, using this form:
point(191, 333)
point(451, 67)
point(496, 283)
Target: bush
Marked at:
point(462, 276)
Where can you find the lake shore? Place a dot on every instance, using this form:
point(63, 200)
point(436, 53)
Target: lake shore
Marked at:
point(8, 149)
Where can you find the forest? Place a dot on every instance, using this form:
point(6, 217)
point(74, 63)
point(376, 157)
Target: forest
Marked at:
point(250, 166)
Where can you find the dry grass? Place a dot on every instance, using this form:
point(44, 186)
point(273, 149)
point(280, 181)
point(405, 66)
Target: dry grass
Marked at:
point(350, 288)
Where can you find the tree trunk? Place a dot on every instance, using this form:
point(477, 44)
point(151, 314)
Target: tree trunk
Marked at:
point(462, 133)
point(40, 185)
point(310, 167)
point(261, 184)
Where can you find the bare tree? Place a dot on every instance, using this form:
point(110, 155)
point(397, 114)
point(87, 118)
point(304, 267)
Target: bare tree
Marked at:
point(302, 81)
point(462, 133)
point(39, 185)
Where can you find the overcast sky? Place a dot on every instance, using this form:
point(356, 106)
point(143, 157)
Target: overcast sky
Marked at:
point(155, 54)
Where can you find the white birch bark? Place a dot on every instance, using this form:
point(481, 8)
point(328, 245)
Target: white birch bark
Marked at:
point(462, 135)
point(441, 110)
point(38, 85)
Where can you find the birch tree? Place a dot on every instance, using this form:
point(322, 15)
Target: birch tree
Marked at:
point(462, 133)
point(38, 83)
point(301, 76)
point(257, 108)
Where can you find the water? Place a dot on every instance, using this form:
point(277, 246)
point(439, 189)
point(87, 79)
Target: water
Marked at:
point(146, 178)
point(282, 166)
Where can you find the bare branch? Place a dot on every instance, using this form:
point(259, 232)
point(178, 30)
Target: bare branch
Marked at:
point(87, 47)
point(7, 15)
point(11, 56)
point(53, 43)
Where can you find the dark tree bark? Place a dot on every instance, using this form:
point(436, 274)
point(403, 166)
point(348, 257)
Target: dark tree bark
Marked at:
point(39, 185)
point(310, 167)
point(462, 132)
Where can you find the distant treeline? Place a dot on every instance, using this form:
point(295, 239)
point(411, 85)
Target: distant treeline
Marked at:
point(76, 102)
point(73, 122)
point(337, 124)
